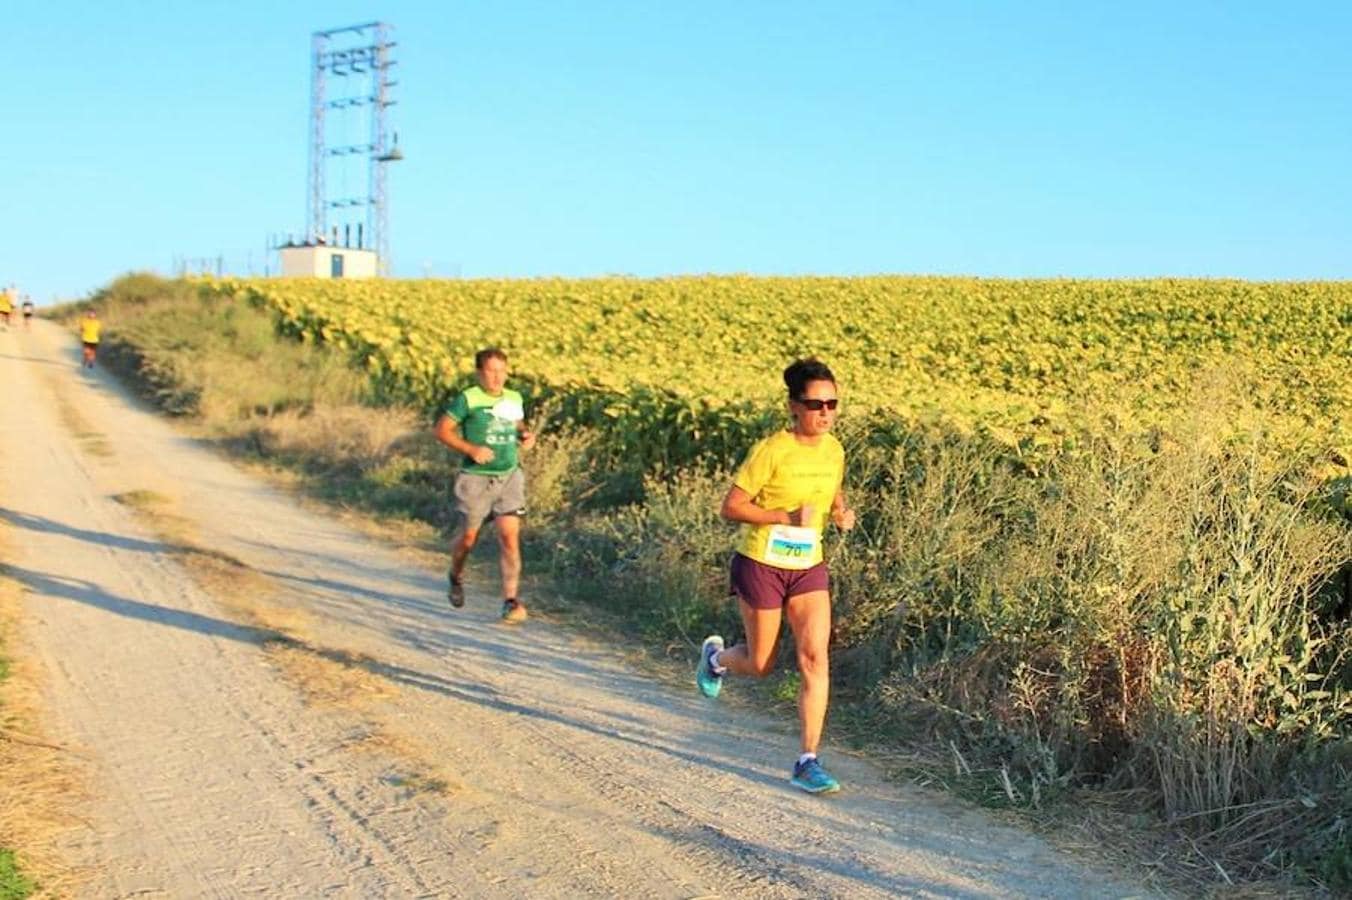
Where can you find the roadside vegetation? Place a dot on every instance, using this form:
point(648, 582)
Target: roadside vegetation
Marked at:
point(39, 785)
point(14, 884)
point(1152, 623)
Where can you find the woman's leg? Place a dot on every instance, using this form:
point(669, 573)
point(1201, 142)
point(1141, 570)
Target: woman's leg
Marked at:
point(810, 620)
point(756, 657)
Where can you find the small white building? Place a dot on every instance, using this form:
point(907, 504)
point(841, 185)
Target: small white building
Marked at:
point(323, 261)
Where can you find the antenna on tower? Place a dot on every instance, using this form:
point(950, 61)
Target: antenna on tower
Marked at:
point(350, 93)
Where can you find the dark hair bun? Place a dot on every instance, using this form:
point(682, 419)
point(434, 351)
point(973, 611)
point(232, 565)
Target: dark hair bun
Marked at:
point(802, 371)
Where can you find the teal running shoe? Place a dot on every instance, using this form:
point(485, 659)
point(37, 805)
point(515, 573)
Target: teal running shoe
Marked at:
point(709, 681)
point(811, 777)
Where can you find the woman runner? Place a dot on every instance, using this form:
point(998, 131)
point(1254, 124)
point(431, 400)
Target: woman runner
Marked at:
point(785, 490)
point(90, 328)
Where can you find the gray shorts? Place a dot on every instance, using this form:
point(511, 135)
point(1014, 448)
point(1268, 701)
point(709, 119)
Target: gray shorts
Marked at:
point(479, 496)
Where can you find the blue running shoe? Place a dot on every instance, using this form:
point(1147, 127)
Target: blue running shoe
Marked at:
point(811, 777)
point(709, 681)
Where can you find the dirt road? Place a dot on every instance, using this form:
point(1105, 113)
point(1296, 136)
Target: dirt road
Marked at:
point(273, 703)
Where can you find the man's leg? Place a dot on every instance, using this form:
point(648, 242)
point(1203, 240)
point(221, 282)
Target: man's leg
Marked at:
point(472, 499)
point(509, 554)
point(508, 508)
point(462, 542)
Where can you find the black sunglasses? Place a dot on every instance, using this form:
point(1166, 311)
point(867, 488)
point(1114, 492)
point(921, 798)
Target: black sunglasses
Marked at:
point(817, 405)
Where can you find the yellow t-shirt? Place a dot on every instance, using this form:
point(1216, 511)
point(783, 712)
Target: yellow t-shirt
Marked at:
point(6, 302)
point(89, 330)
point(782, 473)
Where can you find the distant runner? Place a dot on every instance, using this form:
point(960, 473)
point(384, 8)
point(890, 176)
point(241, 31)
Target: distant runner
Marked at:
point(90, 327)
point(783, 493)
point(6, 306)
point(486, 425)
point(27, 314)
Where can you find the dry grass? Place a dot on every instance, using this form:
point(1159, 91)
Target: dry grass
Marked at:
point(358, 436)
point(41, 782)
point(423, 768)
point(333, 678)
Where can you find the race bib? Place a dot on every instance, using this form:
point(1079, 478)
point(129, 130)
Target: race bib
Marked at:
point(508, 410)
point(792, 547)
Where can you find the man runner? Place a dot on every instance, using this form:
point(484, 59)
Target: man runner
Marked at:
point(27, 314)
point(486, 425)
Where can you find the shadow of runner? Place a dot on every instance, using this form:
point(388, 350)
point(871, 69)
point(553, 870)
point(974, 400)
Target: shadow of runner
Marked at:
point(474, 635)
point(90, 594)
point(343, 588)
point(324, 589)
point(470, 693)
point(43, 525)
point(33, 359)
point(776, 866)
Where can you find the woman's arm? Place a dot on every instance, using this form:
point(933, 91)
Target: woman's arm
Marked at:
point(841, 513)
point(739, 507)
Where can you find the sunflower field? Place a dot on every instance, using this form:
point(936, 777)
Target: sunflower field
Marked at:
point(692, 362)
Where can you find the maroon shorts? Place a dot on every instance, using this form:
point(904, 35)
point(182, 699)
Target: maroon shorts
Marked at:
point(769, 587)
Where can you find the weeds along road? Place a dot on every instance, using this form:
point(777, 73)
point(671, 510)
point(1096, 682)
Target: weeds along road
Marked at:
point(272, 703)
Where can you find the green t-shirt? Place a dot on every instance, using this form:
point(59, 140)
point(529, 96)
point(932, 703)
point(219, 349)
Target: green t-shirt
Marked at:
point(490, 421)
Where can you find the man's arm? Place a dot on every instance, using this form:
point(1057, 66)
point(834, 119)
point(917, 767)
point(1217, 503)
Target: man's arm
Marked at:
point(526, 436)
point(447, 431)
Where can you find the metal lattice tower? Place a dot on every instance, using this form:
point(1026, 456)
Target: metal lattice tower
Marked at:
point(349, 99)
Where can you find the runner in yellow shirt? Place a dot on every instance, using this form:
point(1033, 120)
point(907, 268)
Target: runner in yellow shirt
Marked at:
point(90, 327)
point(787, 489)
point(6, 306)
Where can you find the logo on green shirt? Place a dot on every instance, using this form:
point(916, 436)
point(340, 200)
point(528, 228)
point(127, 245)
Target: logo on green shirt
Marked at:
point(489, 421)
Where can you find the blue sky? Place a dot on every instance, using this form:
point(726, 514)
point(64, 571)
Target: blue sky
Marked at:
point(1010, 139)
